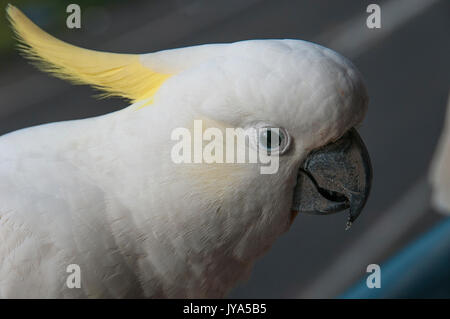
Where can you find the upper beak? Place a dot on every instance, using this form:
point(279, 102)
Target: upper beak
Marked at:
point(334, 178)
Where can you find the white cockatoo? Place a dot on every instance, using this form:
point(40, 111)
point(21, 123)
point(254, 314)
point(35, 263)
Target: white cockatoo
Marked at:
point(440, 170)
point(104, 194)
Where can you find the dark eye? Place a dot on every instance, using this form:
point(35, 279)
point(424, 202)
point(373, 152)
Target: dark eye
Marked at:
point(273, 139)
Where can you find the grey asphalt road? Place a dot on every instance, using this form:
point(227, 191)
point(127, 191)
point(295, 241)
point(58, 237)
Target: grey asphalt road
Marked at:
point(406, 72)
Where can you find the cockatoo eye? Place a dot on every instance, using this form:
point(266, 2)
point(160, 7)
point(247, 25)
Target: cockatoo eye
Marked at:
point(273, 139)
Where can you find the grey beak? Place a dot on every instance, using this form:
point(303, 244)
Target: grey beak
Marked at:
point(334, 178)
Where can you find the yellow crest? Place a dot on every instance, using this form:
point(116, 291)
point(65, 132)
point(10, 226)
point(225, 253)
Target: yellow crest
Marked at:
point(116, 74)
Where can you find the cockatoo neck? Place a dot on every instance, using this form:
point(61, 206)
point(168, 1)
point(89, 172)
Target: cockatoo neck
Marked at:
point(184, 230)
point(199, 227)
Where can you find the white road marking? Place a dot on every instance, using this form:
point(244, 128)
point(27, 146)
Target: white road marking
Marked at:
point(353, 38)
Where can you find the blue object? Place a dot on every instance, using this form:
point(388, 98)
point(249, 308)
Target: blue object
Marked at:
point(421, 270)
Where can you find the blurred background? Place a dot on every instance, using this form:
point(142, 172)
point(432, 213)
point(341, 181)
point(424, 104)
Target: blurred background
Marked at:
point(406, 67)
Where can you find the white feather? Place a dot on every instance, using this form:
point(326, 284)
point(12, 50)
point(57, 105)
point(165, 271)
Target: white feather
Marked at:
point(103, 193)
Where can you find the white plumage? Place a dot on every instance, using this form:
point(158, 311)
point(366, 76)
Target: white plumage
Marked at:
point(103, 192)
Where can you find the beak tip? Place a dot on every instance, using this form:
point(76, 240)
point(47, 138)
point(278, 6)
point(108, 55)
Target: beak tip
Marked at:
point(349, 224)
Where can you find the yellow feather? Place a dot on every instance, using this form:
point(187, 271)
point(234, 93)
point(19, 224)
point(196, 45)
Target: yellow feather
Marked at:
point(117, 74)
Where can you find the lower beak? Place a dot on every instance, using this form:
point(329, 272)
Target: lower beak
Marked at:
point(334, 178)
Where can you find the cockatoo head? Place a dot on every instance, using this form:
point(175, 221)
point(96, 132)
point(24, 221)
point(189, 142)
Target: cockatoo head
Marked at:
point(298, 101)
point(308, 97)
